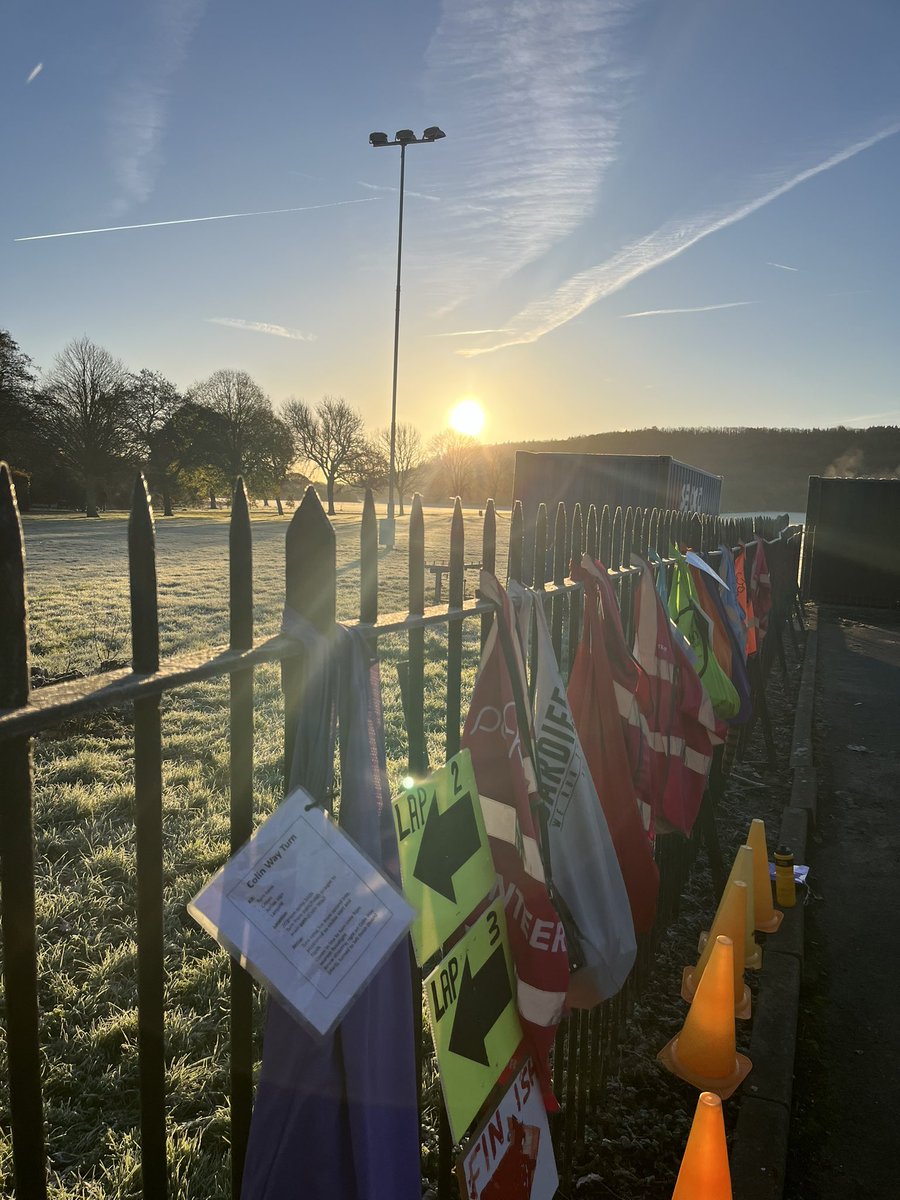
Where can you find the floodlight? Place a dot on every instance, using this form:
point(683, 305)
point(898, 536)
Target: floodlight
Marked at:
point(378, 139)
point(432, 133)
point(404, 135)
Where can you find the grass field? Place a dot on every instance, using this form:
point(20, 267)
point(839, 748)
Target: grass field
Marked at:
point(84, 829)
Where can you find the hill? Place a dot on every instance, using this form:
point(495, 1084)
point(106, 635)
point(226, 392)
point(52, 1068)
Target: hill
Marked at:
point(763, 469)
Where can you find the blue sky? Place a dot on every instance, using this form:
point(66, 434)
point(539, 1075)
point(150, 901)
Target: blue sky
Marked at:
point(608, 165)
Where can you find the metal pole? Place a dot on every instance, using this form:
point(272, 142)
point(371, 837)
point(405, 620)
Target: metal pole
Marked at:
point(390, 509)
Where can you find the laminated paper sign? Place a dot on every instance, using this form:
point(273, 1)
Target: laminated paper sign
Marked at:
point(510, 1155)
point(305, 912)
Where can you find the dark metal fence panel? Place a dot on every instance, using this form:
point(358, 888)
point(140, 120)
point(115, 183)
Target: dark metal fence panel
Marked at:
point(17, 866)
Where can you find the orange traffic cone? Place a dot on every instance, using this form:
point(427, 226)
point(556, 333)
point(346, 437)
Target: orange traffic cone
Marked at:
point(766, 917)
point(742, 868)
point(730, 922)
point(704, 1173)
point(704, 1052)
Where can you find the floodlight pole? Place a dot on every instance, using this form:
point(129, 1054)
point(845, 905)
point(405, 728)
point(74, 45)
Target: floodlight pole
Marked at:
point(404, 138)
point(393, 457)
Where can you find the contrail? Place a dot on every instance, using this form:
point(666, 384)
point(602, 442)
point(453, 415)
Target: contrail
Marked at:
point(587, 287)
point(665, 312)
point(782, 266)
point(265, 212)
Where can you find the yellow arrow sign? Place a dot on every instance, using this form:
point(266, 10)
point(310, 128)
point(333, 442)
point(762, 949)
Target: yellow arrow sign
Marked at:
point(474, 1020)
point(445, 859)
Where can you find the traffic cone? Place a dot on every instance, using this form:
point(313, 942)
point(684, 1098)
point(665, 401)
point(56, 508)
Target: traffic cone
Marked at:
point(742, 868)
point(704, 1173)
point(730, 922)
point(766, 917)
point(704, 1052)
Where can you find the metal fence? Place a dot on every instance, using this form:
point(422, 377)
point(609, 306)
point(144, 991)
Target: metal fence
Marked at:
point(588, 1042)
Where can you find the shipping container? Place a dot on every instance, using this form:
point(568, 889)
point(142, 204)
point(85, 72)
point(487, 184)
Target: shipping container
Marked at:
point(619, 480)
point(851, 545)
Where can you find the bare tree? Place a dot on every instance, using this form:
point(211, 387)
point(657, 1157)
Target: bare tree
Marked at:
point(238, 437)
point(276, 457)
point(83, 414)
point(454, 455)
point(408, 458)
point(371, 468)
point(151, 403)
point(330, 437)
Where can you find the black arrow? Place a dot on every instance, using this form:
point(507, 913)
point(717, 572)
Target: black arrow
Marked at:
point(482, 1001)
point(449, 840)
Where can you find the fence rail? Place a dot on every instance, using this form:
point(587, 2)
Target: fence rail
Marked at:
point(588, 1043)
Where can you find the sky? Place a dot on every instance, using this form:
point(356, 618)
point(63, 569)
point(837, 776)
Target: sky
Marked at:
point(643, 213)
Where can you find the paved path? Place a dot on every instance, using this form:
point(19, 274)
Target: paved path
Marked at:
point(845, 1127)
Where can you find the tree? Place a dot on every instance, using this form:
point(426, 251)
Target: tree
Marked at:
point(331, 438)
point(408, 458)
point(277, 453)
point(371, 468)
point(151, 404)
point(237, 437)
point(16, 397)
point(83, 414)
point(455, 455)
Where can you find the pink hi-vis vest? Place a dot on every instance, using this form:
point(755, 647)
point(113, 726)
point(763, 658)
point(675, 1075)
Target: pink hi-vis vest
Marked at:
point(508, 793)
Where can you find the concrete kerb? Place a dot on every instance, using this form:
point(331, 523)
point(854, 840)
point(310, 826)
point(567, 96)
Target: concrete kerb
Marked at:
point(759, 1151)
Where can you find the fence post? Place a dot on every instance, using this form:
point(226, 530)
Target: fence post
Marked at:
point(592, 537)
point(17, 867)
point(310, 590)
point(488, 559)
point(560, 546)
point(514, 570)
point(149, 847)
point(240, 572)
point(368, 562)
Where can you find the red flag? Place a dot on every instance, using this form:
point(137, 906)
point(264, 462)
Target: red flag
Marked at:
point(508, 793)
point(592, 698)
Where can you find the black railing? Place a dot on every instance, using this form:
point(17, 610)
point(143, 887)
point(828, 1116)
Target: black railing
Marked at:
point(587, 1046)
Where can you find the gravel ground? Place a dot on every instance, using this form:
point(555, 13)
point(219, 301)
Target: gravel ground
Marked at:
point(636, 1137)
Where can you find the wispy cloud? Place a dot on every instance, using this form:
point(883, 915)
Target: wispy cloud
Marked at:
point(651, 251)
point(378, 187)
point(35, 71)
point(470, 332)
point(782, 266)
point(282, 331)
point(265, 212)
point(537, 88)
point(665, 312)
point(140, 102)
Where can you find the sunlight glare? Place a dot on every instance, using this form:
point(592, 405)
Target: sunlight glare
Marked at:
point(467, 417)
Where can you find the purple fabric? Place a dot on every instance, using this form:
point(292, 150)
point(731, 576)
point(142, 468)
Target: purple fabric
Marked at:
point(337, 1117)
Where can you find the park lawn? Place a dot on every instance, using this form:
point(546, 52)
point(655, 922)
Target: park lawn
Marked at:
point(84, 828)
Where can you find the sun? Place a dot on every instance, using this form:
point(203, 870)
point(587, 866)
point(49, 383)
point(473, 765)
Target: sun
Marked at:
point(467, 417)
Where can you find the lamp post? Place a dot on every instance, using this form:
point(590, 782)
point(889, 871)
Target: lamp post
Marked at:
point(402, 138)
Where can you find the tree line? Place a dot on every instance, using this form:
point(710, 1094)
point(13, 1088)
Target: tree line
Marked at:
point(75, 434)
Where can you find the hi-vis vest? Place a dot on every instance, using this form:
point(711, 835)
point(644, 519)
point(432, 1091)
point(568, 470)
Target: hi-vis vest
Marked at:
point(585, 871)
point(681, 719)
point(508, 792)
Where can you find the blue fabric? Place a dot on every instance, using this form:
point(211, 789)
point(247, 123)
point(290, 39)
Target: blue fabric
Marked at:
point(738, 675)
point(338, 1117)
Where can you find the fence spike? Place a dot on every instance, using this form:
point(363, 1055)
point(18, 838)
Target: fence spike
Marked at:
point(240, 570)
point(605, 536)
point(515, 543)
point(540, 548)
point(368, 562)
point(576, 545)
point(560, 557)
point(615, 549)
point(488, 559)
point(142, 575)
point(592, 537)
point(311, 563)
